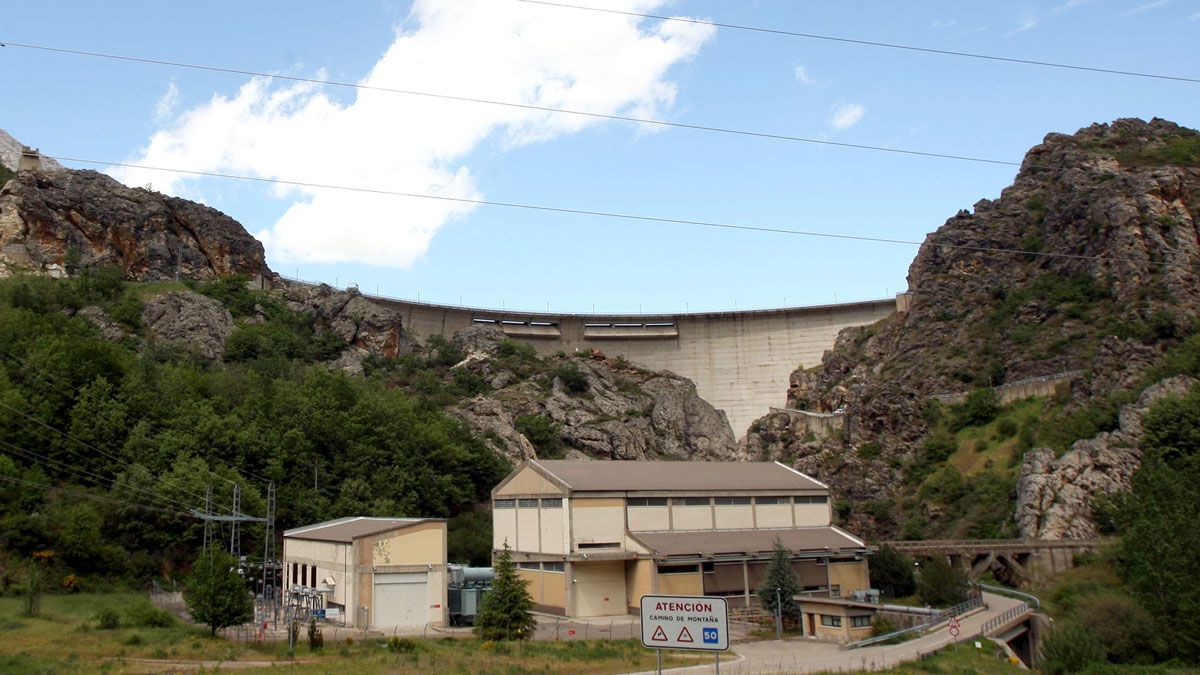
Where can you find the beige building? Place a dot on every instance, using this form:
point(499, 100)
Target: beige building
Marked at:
point(836, 619)
point(371, 572)
point(593, 537)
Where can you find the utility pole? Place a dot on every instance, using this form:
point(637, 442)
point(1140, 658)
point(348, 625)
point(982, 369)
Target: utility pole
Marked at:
point(235, 544)
point(207, 521)
point(778, 616)
point(270, 568)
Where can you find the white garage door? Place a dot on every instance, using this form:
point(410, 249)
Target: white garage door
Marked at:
point(599, 588)
point(400, 600)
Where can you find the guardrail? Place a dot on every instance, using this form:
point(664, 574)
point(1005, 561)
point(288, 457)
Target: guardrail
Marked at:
point(1069, 374)
point(996, 622)
point(990, 544)
point(944, 615)
point(1037, 604)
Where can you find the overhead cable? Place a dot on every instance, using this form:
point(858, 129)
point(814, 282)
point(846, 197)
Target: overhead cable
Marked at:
point(869, 43)
point(85, 495)
point(523, 106)
point(617, 215)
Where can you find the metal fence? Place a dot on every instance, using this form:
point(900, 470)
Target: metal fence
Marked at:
point(991, 625)
point(957, 610)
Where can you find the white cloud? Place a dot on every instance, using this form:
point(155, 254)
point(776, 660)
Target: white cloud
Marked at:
point(167, 102)
point(805, 78)
point(945, 23)
point(846, 115)
point(1194, 17)
point(479, 48)
point(1148, 6)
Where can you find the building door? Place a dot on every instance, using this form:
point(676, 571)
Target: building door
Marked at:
point(400, 600)
point(599, 588)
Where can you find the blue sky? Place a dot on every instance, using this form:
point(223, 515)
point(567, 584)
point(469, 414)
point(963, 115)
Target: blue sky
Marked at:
point(502, 49)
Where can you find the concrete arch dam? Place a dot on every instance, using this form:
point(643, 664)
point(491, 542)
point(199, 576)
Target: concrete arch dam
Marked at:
point(740, 361)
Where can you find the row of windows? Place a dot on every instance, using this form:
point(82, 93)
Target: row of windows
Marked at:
point(725, 501)
point(545, 567)
point(555, 503)
point(836, 621)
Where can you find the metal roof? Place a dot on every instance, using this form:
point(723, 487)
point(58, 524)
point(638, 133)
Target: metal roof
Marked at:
point(346, 530)
point(726, 542)
point(609, 476)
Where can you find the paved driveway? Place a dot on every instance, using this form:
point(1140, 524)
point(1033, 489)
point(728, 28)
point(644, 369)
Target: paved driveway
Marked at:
point(807, 656)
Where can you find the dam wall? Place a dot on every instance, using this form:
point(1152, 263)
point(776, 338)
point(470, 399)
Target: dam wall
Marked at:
point(740, 361)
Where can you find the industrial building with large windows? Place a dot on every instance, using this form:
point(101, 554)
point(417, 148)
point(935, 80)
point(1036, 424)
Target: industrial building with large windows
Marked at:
point(593, 537)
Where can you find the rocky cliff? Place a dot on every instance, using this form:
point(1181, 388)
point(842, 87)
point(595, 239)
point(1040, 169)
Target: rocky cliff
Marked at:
point(1087, 261)
point(58, 222)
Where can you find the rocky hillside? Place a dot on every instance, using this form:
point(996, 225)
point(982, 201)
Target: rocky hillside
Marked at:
point(59, 222)
point(1088, 261)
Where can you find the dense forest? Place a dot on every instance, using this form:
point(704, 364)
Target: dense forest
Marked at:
point(107, 446)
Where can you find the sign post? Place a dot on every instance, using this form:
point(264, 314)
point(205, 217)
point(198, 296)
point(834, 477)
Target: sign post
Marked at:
point(953, 626)
point(693, 622)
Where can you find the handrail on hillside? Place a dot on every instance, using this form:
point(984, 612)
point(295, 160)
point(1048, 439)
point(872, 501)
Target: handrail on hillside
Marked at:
point(957, 610)
point(1037, 604)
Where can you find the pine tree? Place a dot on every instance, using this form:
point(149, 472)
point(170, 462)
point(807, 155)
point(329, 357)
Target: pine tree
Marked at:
point(892, 573)
point(215, 593)
point(507, 610)
point(780, 582)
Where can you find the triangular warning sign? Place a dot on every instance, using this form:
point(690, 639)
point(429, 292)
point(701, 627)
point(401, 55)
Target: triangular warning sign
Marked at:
point(954, 622)
point(659, 635)
point(684, 636)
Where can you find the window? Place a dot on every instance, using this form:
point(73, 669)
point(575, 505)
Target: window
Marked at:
point(691, 501)
point(770, 500)
point(527, 503)
point(555, 503)
point(731, 501)
point(294, 572)
point(646, 501)
point(529, 566)
point(553, 567)
point(860, 622)
point(708, 567)
point(505, 503)
point(831, 621)
point(835, 591)
point(601, 544)
point(812, 499)
point(678, 569)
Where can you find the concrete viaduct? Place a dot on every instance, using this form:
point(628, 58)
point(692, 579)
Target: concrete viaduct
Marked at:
point(1022, 560)
point(740, 361)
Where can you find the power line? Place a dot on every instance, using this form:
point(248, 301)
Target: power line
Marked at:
point(621, 215)
point(870, 43)
point(98, 498)
point(522, 106)
point(50, 378)
point(34, 456)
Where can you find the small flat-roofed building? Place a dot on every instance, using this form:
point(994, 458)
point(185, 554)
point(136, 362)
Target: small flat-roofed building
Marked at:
point(593, 537)
point(837, 619)
point(371, 572)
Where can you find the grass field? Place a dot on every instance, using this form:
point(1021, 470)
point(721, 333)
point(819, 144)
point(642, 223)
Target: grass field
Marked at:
point(66, 638)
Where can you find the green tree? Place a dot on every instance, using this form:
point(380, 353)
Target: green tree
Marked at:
point(780, 586)
point(507, 610)
point(215, 593)
point(940, 585)
point(892, 573)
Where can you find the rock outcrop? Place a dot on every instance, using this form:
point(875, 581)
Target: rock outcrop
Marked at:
point(365, 326)
point(190, 322)
point(1089, 261)
point(608, 409)
point(1055, 495)
point(59, 222)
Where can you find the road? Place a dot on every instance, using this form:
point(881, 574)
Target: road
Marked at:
point(806, 656)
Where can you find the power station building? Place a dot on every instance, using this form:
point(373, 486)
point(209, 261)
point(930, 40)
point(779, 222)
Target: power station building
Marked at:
point(593, 537)
point(370, 572)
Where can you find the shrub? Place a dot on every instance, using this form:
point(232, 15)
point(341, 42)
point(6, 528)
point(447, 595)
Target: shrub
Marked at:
point(571, 377)
point(147, 614)
point(1006, 428)
point(543, 433)
point(133, 640)
point(233, 292)
point(981, 407)
point(870, 451)
point(512, 348)
point(316, 639)
point(881, 625)
point(108, 619)
point(1070, 648)
point(892, 573)
point(442, 352)
point(399, 645)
